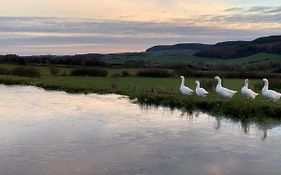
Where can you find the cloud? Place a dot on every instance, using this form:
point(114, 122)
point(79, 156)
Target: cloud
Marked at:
point(275, 10)
point(259, 9)
point(41, 35)
point(248, 18)
point(254, 9)
point(234, 9)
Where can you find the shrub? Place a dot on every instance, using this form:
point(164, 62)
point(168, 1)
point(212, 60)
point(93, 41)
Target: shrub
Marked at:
point(153, 73)
point(54, 71)
point(98, 72)
point(125, 73)
point(26, 72)
point(4, 71)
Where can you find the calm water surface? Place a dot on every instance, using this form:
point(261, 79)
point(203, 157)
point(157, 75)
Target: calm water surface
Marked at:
point(55, 133)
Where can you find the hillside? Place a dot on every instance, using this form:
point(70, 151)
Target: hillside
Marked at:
point(236, 49)
point(179, 49)
point(222, 50)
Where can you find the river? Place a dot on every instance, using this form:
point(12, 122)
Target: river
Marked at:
point(56, 133)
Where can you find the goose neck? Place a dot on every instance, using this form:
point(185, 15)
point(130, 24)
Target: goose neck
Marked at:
point(182, 81)
point(197, 85)
point(219, 83)
point(265, 87)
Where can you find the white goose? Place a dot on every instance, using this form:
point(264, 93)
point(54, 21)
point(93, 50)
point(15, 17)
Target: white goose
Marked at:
point(249, 93)
point(185, 90)
point(227, 93)
point(201, 92)
point(270, 94)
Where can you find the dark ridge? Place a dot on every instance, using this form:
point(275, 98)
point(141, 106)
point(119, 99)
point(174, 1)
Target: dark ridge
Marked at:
point(236, 49)
point(182, 46)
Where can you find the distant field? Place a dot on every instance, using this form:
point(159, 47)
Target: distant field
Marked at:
point(162, 59)
point(256, 59)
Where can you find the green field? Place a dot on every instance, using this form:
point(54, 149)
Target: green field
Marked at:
point(156, 91)
point(168, 59)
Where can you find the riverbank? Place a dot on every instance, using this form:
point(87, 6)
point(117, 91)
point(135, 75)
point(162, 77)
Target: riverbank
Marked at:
point(158, 91)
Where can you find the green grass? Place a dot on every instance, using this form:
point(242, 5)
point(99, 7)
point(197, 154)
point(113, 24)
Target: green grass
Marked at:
point(156, 91)
point(147, 88)
point(254, 59)
point(162, 59)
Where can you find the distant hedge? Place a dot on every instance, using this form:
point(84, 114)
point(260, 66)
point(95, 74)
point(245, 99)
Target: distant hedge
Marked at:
point(153, 73)
point(26, 72)
point(4, 71)
point(97, 72)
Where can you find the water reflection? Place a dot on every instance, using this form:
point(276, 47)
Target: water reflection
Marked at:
point(49, 132)
point(245, 124)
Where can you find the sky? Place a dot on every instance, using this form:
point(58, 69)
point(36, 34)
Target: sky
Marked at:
point(32, 27)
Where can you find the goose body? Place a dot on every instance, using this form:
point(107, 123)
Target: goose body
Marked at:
point(184, 89)
point(201, 92)
point(270, 94)
point(249, 93)
point(227, 93)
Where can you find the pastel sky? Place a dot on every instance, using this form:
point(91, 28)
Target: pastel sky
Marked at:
point(82, 26)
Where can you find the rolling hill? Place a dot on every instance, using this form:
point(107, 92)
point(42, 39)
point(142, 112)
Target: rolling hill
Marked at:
point(223, 50)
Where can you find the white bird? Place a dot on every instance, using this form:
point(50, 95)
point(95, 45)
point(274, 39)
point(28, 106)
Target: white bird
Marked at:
point(223, 91)
point(249, 93)
point(270, 94)
point(201, 92)
point(184, 89)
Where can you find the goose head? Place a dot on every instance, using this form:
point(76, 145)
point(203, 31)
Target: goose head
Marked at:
point(265, 87)
point(182, 81)
point(246, 82)
point(197, 83)
point(265, 81)
point(217, 78)
point(182, 78)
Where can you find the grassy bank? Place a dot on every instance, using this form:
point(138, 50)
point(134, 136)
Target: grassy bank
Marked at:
point(159, 91)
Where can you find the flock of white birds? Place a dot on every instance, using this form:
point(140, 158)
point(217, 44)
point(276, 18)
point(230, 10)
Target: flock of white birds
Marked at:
point(227, 93)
